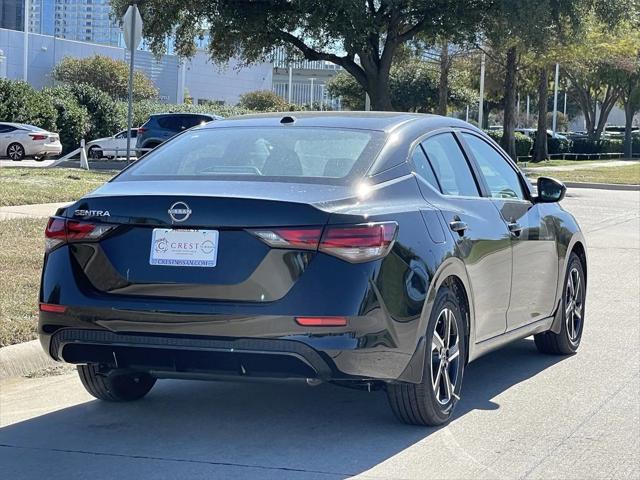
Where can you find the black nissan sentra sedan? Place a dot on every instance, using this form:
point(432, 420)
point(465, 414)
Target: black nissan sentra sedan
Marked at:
point(375, 250)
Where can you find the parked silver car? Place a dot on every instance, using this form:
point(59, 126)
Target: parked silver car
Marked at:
point(115, 146)
point(19, 140)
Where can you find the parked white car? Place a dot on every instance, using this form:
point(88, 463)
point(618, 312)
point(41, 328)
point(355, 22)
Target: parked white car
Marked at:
point(19, 140)
point(115, 146)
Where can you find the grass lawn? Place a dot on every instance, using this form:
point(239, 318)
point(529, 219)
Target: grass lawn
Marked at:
point(21, 253)
point(26, 186)
point(562, 163)
point(626, 174)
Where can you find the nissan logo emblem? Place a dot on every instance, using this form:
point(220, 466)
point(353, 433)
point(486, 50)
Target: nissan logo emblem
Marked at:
point(179, 212)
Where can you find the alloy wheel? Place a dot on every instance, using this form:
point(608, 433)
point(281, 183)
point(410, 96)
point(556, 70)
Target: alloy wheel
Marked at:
point(573, 305)
point(15, 152)
point(445, 357)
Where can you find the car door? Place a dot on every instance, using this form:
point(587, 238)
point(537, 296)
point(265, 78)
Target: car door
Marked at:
point(535, 258)
point(481, 237)
point(5, 138)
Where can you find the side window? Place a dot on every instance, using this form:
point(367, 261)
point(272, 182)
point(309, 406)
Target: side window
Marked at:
point(450, 166)
point(503, 181)
point(423, 168)
point(6, 128)
point(169, 123)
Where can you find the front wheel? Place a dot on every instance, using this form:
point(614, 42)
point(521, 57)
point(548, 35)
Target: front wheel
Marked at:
point(95, 153)
point(114, 386)
point(432, 401)
point(567, 341)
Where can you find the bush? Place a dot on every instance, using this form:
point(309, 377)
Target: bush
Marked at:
point(142, 110)
point(106, 74)
point(264, 101)
point(73, 121)
point(106, 117)
point(558, 145)
point(604, 145)
point(20, 102)
point(523, 143)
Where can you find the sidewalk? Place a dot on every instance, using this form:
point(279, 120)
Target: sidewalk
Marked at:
point(39, 210)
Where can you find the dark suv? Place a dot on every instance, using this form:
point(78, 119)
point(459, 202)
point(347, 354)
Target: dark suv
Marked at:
point(162, 126)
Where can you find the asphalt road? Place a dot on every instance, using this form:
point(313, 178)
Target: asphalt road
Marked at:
point(522, 414)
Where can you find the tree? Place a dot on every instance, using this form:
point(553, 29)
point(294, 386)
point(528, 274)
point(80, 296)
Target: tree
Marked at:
point(413, 85)
point(106, 74)
point(21, 103)
point(264, 101)
point(73, 121)
point(360, 36)
point(534, 27)
point(105, 115)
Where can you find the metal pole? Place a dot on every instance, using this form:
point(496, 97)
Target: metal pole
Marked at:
point(311, 107)
point(555, 100)
point(518, 111)
point(466, 118)
point(481, 104)
point(290, 84)
point(564, 110)
point(367, 102)
point(130, 103)
point(25, 46)
point(527, 111)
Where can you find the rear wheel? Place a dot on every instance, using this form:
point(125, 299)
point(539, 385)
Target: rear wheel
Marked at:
point(114, 386)
point(15, 152)
point(568, 339)
point(432, 401)
point(95, 153)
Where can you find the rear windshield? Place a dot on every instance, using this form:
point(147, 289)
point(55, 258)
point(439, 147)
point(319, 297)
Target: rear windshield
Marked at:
point(296, 154)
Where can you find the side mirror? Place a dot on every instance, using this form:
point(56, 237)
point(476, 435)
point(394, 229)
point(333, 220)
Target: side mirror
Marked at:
point(550, 190)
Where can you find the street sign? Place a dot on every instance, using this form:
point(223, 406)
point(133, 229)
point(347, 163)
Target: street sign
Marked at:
point(132, 27)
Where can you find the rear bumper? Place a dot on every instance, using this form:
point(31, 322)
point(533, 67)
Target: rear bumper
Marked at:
point(341, 353)
point(44, 149)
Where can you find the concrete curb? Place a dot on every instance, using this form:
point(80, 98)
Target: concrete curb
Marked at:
point(603, 186)
point(23, 358)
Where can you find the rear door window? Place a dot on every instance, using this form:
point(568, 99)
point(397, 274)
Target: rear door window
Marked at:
point(450, 166)
point(423, 168)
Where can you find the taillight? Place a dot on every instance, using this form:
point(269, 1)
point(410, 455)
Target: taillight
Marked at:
point(305, 238)
point(359, 243)
point(141, 130)
point(52, 308)
point(37, 136)
point(354, 243)
point(60, 231)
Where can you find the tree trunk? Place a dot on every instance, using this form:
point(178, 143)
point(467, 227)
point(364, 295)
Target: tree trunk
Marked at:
point(508, 141)
point(443, 86)
point(628, 123)
point(540, 143)
point(379, 92)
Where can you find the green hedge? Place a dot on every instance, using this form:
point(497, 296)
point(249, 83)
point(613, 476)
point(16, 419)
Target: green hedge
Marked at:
point(523, 143)
point(604, 145)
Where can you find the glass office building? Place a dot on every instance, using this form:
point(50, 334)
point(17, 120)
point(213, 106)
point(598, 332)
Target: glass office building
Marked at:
point(12, 14)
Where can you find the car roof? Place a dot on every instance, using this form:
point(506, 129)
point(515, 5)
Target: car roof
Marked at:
point(20, 125)
point(183, 113)
point(381, 121)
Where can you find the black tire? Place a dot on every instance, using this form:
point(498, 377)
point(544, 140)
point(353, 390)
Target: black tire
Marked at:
point(95, 153)
point(417, 404)
point(15, 152)
point(39, 158)
point(114, 386)
point(567, 341)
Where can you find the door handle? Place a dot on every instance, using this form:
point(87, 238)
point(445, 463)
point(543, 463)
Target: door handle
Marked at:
point(515, 228)
point(458, 226)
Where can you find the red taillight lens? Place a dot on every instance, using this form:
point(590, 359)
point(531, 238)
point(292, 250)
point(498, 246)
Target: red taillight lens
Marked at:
point(359, 243)
point(141, 130)
point(322, 321)
point(36, 136)
point(305, 238)
point(61, 231)
point(53, 308)
point(354, 243)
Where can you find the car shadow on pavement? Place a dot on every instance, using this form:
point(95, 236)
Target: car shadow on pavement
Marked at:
point(324, 429)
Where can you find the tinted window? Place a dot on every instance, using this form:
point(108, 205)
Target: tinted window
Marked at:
point(305, 154)
point(6, 128)
point(503, 181)
point(188, 121)
point(169, 123)
point(450, 166)
point(423, 168)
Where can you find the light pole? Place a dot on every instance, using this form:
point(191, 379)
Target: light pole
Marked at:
point(527, 111)
point(25, 53)
point(290, 84)
point(481, 104)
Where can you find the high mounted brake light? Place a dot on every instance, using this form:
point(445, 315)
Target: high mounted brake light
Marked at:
point(60, 231)
point(353, 243)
